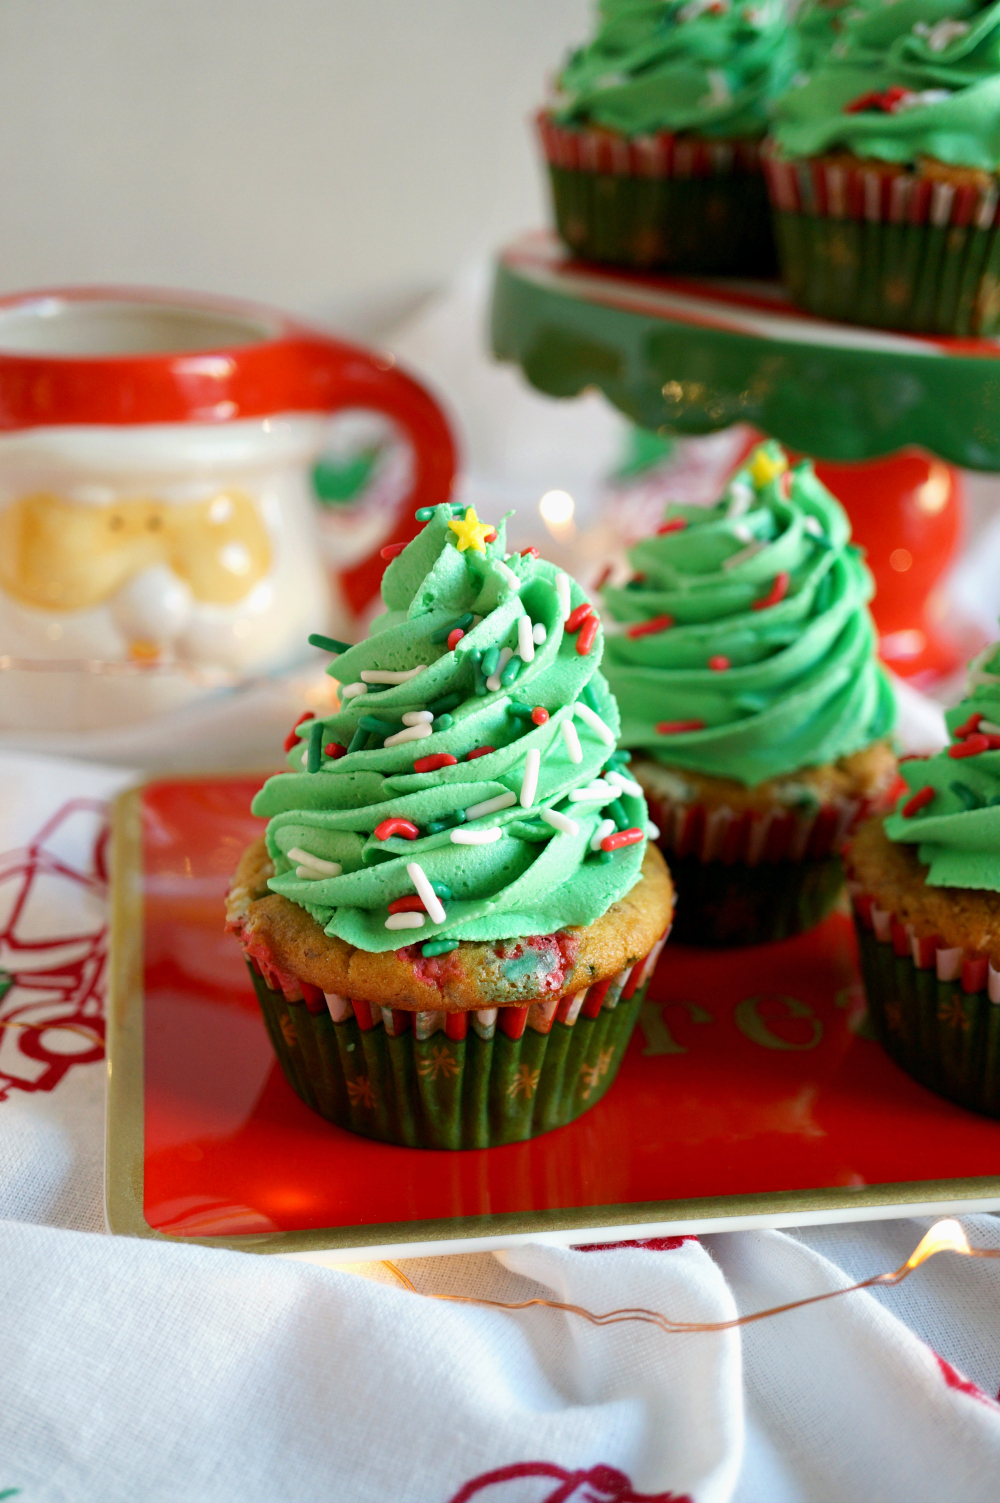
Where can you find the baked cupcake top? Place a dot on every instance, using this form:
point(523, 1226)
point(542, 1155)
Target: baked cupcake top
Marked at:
point(917, 78)
point(748, 650)
point(707, 66)
point(464, 787)
point(951, 809)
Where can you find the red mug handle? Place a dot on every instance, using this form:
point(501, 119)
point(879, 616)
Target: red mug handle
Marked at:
point(344, 376)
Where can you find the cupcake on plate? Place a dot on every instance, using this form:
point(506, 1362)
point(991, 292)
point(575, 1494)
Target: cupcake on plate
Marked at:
point(454, 912)
point(653, 142)
point(883, 166)
point(750, 693)
point(926, 890)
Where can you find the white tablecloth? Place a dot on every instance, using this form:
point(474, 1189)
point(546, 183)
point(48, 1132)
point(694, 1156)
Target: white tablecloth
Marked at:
point(139, 1370)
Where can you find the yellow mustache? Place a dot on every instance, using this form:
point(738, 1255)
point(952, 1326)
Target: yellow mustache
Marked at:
point(63, 555)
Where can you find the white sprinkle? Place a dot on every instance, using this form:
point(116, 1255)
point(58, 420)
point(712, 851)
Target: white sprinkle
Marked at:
point(350, 691)
point(598, 789)
point(815, 526)
point(653, 831)
point(493, 682)
point(463, 836)
point(525, 640)
point(405, 921)
point(304, 759)
point(627, 785)
point(559, 821)
point(989, 728)
point(741, 498)
point(538, 633)
point(595, 722)
point(417, 717)
point(491, 805)
point(409, 733)
point(328, 868)
point(744, 533)
point(604, 829)
point(308, 874)
point(507, 575)
point(529, 783)
point(387, 676)
point(572, 741)
point(735, 559)
point(562, 591)
point(432, 902)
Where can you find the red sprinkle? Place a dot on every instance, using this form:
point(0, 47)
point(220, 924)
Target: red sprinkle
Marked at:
point(970, 747)
point(576, 618)
point(333, 750)
point(914, 757)
point(491, 536)
point(719, 663)
point(431, 764)
point(397, 826)
point(412, 903)
point(539, 714)
point(677, 525)
point(604, 576)
point(454, 637)
point(391, 550)
point(972, 724)
point(648, 628)
point(888, 101)
point(291, 740)
point(675, 727)
point(777, 592)
point(588, 631)
point(530, 553)
point(919, 801)
point(479, 751)
point(622, 837)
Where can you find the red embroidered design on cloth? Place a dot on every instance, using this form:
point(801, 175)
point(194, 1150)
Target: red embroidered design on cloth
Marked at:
point(600, 1484)
point(51, 985)
point(960, 1382)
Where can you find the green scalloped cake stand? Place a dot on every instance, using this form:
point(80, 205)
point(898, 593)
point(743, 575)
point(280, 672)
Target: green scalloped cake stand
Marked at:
point(692, 355)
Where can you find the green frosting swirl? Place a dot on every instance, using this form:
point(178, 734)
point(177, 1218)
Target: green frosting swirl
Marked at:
point(533, 878)
point(796, 683)
point(945, 55)
point(707, 66)
point(958, 831)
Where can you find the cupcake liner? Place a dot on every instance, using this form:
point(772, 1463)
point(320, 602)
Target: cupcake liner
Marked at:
point(677, 202)
point(873, 246)
point(935, 1009)
point(451, 1079)
point(752, 878)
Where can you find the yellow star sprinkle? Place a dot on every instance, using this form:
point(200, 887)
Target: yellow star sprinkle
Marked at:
point(763, 468)
point(471, 532)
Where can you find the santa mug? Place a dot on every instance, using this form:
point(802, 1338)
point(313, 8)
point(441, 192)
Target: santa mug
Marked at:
point(156, 508)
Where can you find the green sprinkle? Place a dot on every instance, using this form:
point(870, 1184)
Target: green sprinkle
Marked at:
point(439, 947)
point(513, 668)
point(446, 822)
point(589, 698)
point(442, 723)
point(424, 513)
point(358, 740)
point(461, 623)
point(519, 711)
point(491, 658)
point(379, 727)
point(966, 796)
point(616, 810)
point(443, 892)
point(448, 702)
point(329, 644)
point(605, 856)
point(478, 676)
point(315, 755)
point(753, 703)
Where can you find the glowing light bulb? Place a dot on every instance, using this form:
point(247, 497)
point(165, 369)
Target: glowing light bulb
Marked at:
point(557, 508)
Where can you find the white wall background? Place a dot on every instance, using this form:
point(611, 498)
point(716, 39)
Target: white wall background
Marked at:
point(337, 157)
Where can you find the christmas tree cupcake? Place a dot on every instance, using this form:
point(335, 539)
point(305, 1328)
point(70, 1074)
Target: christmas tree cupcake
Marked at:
point(653, 142)
point(883, 168)
point(750, 692)
point(454, 912)
point(926, 890)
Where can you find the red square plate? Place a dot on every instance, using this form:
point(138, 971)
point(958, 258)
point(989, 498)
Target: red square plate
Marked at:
point(749, 1095)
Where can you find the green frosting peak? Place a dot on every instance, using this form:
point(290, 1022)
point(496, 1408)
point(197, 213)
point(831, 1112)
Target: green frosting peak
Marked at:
point(466, 707)
point(748, 650)
point(707, 66)
point(956, 823)
point(914, 78)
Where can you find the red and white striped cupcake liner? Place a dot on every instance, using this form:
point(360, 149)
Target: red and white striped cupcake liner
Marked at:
point(972, 971)
point(664, 154)
point(752, 838)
